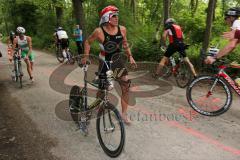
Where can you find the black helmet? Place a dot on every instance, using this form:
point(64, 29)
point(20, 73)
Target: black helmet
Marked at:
point(11, 34)
point(233, 12)
point(59, 28)
point(169, 22)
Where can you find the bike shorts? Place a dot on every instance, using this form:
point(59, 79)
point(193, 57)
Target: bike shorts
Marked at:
point(64, 43)
point(30, 57)
point(119, 70)
point(175, 47)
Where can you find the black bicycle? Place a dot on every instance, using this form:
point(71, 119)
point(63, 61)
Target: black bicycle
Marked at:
point(59, 54)
point(18, 74)
point(109, 124)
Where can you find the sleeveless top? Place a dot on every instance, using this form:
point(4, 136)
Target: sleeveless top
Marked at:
point(175, 34)
point(112, 44)
point(23, 44)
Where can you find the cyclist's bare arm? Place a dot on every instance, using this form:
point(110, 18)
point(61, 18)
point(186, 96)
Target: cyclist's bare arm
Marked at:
point(29, 40)
point(164, 37)
point(14, 43)
point(96, 35)
point(126, 46)
point(9, 42)
point(228, 48)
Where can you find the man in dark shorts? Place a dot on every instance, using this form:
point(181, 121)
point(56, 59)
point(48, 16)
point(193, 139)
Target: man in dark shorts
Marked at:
point(175, 35)
point(112, 38)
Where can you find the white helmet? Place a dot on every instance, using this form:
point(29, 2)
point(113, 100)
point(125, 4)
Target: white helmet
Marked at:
point(21, 30)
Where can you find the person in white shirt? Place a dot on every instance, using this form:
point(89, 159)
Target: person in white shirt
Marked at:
point(62, 38)
point(232, 19)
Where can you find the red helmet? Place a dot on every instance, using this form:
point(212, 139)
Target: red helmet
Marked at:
point(106, 13)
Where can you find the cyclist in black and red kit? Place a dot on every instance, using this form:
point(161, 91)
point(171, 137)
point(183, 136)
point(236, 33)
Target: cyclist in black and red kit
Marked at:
point(176, 44)
point(112, 38)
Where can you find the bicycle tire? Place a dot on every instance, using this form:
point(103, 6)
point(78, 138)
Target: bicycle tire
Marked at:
point(16, 71)
point(70, 58)
point(59, 55)
point(183, 76)
point(197, 107)
point(75, 99)
point(100, 116)
point(20, 74)
point(166, 71)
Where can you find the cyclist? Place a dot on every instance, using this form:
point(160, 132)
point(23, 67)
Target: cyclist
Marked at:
point(10, 45)
point(25, 44)
point(176, 44)
point(112, 38)
point(77, 33)
point(62, 38)
point(231, 18)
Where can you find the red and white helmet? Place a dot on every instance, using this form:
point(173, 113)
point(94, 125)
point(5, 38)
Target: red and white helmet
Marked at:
point(106, 13)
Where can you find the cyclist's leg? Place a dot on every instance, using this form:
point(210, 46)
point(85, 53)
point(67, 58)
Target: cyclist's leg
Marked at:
point(186, 59)
point(169, 52)
point(124, 82)
point(31, 58)
point(27, 61)
point(64, 47)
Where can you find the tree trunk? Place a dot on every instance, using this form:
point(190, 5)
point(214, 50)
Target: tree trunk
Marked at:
point(79, 14)
point(166, 6)
point(133, 8)
point(208, 29)
point(59, 15)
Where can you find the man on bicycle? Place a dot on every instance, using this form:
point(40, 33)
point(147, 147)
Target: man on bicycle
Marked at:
point(62, 38)
point(231, 18)
point(175, 36)
point(25, 44)
point(112, 38)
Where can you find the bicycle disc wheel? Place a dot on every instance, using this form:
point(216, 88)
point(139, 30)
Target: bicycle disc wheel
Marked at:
point(75, 100)
point(110, 130)
point(210, 96)
point(183, 76)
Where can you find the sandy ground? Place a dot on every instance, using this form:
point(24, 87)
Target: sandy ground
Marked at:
point(35, 122)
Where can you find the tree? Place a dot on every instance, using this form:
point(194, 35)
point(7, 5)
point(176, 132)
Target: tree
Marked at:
point(210, 12)
point(79, 14)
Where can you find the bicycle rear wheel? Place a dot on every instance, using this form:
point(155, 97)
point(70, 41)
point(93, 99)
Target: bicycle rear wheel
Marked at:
point(70, 58)
point(59, 55)
point(110, 130)
point(209, 95)
point(183, 75)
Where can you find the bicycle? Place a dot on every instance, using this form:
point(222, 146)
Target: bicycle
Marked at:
point(17, 67)
point(59, 54)
point(108, 117)
point(179, 69)
point(211, 95)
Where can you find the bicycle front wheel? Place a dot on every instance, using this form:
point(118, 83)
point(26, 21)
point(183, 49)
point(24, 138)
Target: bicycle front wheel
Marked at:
point(183, 76)
point(208, 95)
point(110, 130)
point(20, 74)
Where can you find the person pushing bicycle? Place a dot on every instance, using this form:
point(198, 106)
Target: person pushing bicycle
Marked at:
point(112, 38)
point(25, 44)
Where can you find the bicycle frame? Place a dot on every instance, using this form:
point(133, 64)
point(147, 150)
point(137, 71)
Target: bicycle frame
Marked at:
point(223, 74)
